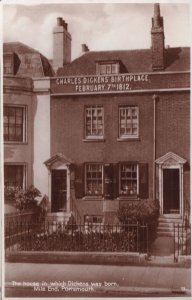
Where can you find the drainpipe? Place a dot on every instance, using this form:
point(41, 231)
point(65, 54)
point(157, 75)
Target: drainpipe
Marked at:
point(155, 99)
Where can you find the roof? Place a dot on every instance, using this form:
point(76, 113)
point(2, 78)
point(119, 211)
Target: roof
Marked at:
point(132, 61)
point(31, 62)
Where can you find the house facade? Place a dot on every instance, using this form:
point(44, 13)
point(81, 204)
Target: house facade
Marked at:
point(21, 110)
point(106, 129)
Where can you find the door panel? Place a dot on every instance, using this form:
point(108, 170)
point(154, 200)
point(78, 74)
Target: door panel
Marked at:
point(59, 190)
point(171, 191)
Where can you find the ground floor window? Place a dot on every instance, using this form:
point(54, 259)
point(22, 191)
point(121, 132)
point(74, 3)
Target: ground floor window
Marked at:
point(112, 180)
point(93, 219)
point(14, 176)
point(94, 179)
point(128, 179)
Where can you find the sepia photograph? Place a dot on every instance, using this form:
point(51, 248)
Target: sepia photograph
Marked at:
point(96, 180)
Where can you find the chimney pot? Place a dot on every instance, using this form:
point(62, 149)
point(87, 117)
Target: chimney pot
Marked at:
point(84, 48)
point(59, 21)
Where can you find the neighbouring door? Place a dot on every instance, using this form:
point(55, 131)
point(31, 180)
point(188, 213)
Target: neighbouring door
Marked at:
point(171, 191)
point(59, 190)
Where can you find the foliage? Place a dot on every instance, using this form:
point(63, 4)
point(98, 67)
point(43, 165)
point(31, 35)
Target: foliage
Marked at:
point(58, 237)
point(142, 211)
point(23, 199)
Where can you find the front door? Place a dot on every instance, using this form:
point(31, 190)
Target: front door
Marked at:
point(171, 191)
point(59, 190)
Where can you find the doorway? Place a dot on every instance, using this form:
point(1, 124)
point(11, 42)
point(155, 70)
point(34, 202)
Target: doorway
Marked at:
point(171, 191)
point(59, 190)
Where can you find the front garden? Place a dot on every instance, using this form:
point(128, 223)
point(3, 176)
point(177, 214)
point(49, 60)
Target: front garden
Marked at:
point(134, 233)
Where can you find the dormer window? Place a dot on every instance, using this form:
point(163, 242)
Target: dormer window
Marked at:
point(11, 63)
point(107, 68)
point(8, 63)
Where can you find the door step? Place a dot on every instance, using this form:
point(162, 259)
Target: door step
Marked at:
point(166, 225)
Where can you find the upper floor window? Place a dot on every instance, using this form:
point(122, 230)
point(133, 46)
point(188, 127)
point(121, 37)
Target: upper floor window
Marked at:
point(107, 68)
point(94, 179)
point(128, 179)
point(94, 127)
point(14, 120)
point(128, 121)
point(14, 176)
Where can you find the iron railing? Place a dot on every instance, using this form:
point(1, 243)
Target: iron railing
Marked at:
point(56, 236)
point(182, 240)
point(17, 218)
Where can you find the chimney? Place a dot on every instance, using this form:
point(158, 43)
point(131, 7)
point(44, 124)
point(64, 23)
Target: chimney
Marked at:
point(84, 48)
point(61, 44)
point(157, 40)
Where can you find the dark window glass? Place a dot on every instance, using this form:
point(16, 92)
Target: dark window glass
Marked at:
point(13, 120)
point(13, 176)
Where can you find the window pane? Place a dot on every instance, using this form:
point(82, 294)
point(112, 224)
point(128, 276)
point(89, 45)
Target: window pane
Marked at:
point(13, 123)
point(128, 179)
point(108, 68)
point(94, 179)
point(114, 69)
point(13, 176)
point(128, 121)
point(94, 121)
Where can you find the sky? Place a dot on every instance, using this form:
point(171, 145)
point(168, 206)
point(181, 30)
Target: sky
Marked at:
point(102, 26)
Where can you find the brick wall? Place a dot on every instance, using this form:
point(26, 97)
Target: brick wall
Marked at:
point(173, 124)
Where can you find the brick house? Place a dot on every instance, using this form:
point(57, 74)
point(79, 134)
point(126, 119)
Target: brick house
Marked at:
point(112, 127)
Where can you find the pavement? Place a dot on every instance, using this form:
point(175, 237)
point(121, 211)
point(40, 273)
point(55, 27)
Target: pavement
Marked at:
point(69, 280)
point(163, 246)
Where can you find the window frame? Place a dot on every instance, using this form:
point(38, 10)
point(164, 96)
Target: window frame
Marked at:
point(137, 178)
point(24, 124)
point(8, 64)
point(24, 166)
point(102, 179)
point(93, 137)
point(92, 221)
point(108, 67)
point(127, 136)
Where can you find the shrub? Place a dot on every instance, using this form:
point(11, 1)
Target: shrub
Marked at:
point(143, 211)
point(22, 199)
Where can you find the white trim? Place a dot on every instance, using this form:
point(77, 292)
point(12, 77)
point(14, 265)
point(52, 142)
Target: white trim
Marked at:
point(123, 92)
point(171, 161)
point(61, 167)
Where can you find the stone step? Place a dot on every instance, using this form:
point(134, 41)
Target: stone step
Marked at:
point(165, 234)
point(173, 221)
